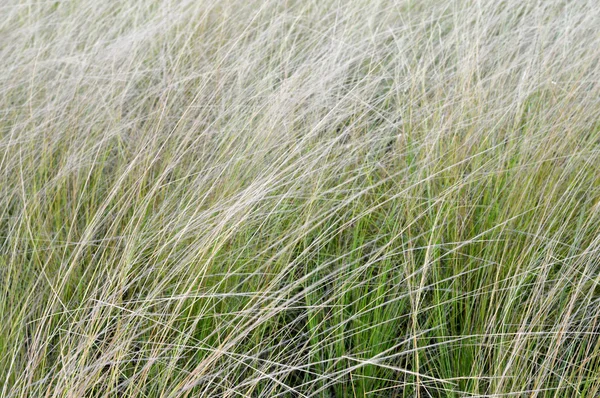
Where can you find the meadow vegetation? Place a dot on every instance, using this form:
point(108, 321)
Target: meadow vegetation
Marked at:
point(279, 198)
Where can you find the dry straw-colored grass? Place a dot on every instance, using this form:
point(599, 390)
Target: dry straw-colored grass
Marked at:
point(281, 198)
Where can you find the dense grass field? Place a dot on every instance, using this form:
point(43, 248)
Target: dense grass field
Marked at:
point(278, 198)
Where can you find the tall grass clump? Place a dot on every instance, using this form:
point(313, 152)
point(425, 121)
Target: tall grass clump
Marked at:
point(279, 198)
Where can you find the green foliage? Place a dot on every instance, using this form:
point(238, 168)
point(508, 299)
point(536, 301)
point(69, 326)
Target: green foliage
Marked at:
point(292, 199)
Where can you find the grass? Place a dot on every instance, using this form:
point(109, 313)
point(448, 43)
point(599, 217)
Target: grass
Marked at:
point(299, 199)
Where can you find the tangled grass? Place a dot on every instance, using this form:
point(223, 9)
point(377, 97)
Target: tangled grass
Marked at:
point(281, 198)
